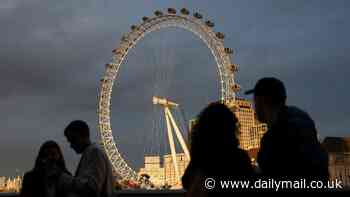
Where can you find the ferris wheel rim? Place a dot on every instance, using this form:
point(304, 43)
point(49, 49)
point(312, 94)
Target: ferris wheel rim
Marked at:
point(148, 26)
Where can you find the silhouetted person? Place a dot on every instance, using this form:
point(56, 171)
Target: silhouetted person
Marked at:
point(214, 151)
point(290, 148)
point(42, 180)
point(93, 177)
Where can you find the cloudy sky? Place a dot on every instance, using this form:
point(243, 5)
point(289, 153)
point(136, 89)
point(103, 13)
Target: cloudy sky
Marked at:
point(52, 55)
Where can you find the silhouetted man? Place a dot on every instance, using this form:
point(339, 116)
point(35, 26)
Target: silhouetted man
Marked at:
point(290, 148)
point(93, 176)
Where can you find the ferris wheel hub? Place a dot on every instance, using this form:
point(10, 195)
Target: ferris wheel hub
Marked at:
point(164, 102)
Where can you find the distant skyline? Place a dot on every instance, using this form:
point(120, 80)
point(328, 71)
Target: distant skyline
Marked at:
point(53, 53)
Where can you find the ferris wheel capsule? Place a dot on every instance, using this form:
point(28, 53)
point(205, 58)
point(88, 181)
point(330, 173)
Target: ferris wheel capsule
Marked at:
point(109, 66)
point(158, 13)
point(184, 11)
point(171, 11)
point(234, 67)
point(145, 19)
point(134, 27)
point(228, 50)
point(236, 87)
point(117, 51)
point(125, 38)
point(197, 15)
point(220, 35)
point(209, 24)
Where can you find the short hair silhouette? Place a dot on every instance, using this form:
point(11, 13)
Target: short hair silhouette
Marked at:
point(79, 127)
point(271, 87)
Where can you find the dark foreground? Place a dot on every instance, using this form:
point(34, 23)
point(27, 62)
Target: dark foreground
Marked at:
point(130, 193)
point(169, 193)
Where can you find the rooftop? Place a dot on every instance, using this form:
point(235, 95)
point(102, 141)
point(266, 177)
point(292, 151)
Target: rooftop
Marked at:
point(337, 144)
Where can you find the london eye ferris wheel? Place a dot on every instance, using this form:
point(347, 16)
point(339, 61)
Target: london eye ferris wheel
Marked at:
point(184, 20)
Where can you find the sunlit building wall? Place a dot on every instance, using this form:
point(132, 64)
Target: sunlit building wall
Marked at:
point(339, 158)
point(169, 170)
point(153, 168)
point(2, 183)
point(250, 129)
point(13, 184)
point(256, 133)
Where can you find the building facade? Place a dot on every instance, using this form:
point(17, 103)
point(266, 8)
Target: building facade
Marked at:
point(255, 134)
point(251, 130)
point(165, 175)
point(153, 168)
point(169, 170)
point(245, 114)
point(2, 183)
point(339, 159)
point(12, 184)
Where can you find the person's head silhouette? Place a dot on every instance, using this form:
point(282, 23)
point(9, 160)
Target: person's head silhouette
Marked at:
point(50, 152)
point(215, 149)
point(78, 135)
point(269, 96)
point(214, 132)
point(291, 135)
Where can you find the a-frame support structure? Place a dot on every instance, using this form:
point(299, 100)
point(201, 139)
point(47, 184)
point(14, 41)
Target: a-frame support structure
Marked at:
point(171, 125)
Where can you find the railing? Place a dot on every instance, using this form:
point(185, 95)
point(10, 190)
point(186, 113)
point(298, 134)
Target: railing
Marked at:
point(130, 193)
point(135, 193)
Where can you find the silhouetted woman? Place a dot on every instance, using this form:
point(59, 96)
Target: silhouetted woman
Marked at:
point(214, 151)
point(42, 180)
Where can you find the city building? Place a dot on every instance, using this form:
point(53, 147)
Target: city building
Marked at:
point(256, 132)
point(251, 130)
point(244, 112)
point(2, 183)
point(169, 170)
point(338, 149)
point(10, 185)
point(153, 168)
point(165, 175)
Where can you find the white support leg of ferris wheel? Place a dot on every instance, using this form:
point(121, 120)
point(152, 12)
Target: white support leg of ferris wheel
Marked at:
point(171, 143)
point(178, 134)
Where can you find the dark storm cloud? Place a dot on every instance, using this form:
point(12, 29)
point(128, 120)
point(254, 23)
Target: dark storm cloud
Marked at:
point(52, 55)
point(305, 47)
point(47, 51)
